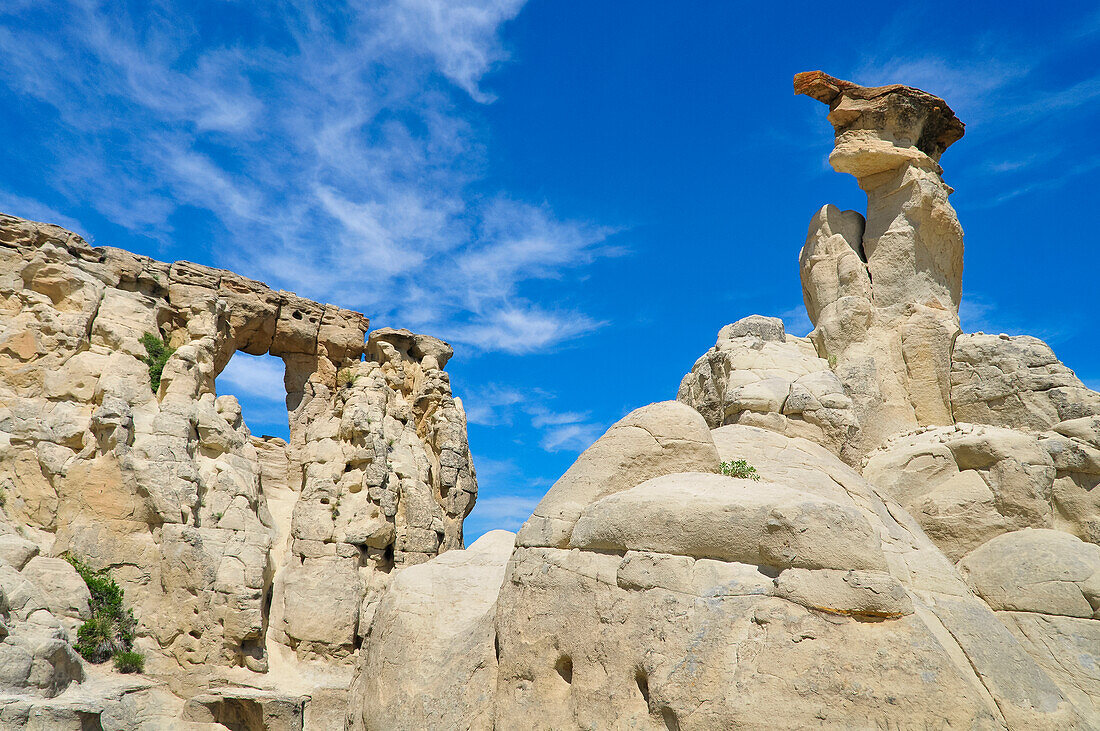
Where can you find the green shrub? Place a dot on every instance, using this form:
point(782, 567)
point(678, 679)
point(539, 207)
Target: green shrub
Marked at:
point(741, 469)
point(158, 354)
point(110, 630)
point(346, 377)
point(129, 661)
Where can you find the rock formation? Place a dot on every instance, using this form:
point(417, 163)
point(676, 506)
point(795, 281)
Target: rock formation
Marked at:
point(248, 559)
point(919, 549)
point(917, 544)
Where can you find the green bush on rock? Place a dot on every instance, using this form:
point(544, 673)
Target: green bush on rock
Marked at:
point(741, 469)
point(158, 354)
point(109, 633)
point(129, 662)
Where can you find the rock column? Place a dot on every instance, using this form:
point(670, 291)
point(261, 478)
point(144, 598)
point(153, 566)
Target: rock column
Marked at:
point(883, 291)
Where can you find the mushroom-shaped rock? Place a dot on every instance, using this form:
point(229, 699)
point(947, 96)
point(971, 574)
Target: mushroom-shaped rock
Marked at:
point(429, 351)
point(883, 294)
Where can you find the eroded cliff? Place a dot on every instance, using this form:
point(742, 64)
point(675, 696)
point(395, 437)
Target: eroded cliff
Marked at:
point(914, 547)
point(246, 560)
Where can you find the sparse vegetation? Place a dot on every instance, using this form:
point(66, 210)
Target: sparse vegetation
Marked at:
point(109, 633)
point(740, 469)
point(832, 361)
point(158, 354)
point(346, 377)
point(130, 662)
point(218, 516)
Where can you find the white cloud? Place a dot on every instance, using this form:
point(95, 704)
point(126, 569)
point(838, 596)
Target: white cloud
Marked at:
point(571, 437)
point(497, 405)
point(796, 321)
point(339, 160)
point(461, 35)
point(522, 328)
point(492, 406)
point(506, 509)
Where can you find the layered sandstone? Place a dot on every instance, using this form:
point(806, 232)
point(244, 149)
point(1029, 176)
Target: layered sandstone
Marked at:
point(893, 566)
point(252, 559)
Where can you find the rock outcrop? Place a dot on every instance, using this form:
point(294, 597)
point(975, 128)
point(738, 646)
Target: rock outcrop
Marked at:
point(253, 561)
point(883, 290)
point(885, 524)
point(915, 545)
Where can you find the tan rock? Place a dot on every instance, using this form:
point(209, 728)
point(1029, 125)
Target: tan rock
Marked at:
point(884, 293)
point(1030, 570)
point(1015, 382)
point(966, 484)
point(758, 376)
point(451, 684)
point(654, 440)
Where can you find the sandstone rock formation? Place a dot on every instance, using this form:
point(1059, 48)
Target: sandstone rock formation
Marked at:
point(254, 560)
point(883, 291)
point(920, 547)
point(820, 601)
point(919, 551)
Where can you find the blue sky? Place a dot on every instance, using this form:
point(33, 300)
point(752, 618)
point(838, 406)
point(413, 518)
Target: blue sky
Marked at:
point(577, 195)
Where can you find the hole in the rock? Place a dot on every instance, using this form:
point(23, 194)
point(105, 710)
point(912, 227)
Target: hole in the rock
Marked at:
point(89, 721)
point(324, 501)
point(257, 383)
point(496, 646)
point(669, 717)
point(643, 684)
point(770, 571)
point(564, 666)
point(297, 315)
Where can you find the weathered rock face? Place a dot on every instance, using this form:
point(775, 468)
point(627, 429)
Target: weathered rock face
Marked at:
point(1015, 382)
point(235, 552)
point(891, 567)
point(758, 375)
point(821, 602)
point(967, 483)
point(452, 683)
point(883, 292)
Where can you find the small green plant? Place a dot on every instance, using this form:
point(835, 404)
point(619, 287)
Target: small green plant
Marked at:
point(110, 630)
point(832, 361)
point(346, 377)
point(740, 469)
point(218, 516)
point(158, 354)
point(129, 661)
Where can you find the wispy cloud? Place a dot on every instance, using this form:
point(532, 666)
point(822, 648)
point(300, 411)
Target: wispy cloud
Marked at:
point(979, 313)
point(24, 207)
point(496, 405)
point(338, 151)
point(796, 321)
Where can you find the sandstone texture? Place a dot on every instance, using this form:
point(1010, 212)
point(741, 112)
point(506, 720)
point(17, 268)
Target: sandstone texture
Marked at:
point(247, 561)
point(886, 524)
point(915, 547)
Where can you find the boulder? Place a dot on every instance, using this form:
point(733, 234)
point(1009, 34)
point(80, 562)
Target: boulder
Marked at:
point(757, 375)
point(1031, 570)
point(450, 684)
point(658, 439)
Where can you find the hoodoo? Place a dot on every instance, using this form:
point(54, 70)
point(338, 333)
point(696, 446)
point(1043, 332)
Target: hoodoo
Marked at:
point(886, 524)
